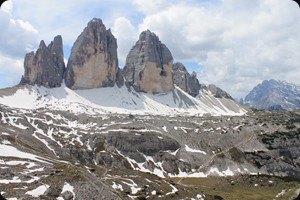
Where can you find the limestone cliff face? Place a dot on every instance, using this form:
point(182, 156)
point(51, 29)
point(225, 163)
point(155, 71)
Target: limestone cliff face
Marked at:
point(184, 80)
point(149, 65)
point(45, 67)
point(93, 61)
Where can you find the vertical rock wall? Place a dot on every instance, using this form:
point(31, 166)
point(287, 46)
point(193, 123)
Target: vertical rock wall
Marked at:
point(149, 65)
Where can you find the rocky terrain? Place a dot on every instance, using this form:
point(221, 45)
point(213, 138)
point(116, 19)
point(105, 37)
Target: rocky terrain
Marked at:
point(274, 95)
point(48, 154)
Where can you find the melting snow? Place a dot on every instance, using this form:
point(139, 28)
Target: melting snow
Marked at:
point(133, 186)
point(23, 98)
point(174, 190)
point(280, 194)
point(5, 142)
point(67, 187)
point(9, 151)
point(38, 191)
point(14, 180)
point(117, 186)
point(188, 149)
point(192, 175)
point(165, 128)
point(215, 171)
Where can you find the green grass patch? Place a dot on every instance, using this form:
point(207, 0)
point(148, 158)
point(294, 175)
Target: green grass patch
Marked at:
point(244, 187)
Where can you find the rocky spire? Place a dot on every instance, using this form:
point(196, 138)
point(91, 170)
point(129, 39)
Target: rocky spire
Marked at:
point(185, 81)
point(149, 65)
point(45, 67)
point(93, 61)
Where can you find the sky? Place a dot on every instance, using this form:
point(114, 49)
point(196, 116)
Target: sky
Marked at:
point(234, 44)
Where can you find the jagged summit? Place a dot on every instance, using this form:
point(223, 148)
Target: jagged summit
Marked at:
point(93, 61)
point(149, 65)
point(274, 95)
point(187, 82)
point(46, 66)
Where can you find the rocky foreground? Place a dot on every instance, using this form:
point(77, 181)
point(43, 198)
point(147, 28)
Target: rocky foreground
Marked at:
point(48, 154)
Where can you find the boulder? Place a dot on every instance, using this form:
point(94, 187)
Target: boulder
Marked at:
point(52, 192)
point(93, 61)
point(46, 67)
point(67, 195)
point(149, 65)
point(184, 80)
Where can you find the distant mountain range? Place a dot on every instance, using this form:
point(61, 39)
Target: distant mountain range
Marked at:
point(274, 95)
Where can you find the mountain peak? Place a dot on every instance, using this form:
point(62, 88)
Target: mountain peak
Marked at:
point(273, 95)
point(149, 65)
point(93, 61)
point(42, 45)
point(46, 66)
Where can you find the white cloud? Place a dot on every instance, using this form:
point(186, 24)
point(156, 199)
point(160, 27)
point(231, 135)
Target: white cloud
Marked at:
point(16, 39)
point(7, 6)
point(126, 35)
point(150, 7)
point(11, 70)
point(238, 43)
point(70, 17)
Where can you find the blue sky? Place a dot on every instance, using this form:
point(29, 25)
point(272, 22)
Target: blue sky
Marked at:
point(234, 44)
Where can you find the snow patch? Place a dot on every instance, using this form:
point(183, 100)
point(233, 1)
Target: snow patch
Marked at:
point(118, 100)
point(174, 190)
point(133, 186)
point(117, 186)
point(9, 151)
point(280, 194)
point(165, 128)
point(38, 191)
point(188, 149)
point(67, 187)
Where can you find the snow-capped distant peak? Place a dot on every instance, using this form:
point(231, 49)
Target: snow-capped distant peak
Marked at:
point(274, 95)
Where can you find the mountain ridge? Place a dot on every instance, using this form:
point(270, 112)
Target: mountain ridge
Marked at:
point(274, 95)
point(149, 69)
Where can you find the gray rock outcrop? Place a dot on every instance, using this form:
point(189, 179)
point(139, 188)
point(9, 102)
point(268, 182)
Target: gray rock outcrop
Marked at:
point(149, 65)
point(184, 80)
point(93, 61)
point(215, 91)
point(46, 67)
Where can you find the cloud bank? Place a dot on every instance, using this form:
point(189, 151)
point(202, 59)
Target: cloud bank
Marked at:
point(234, 44)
